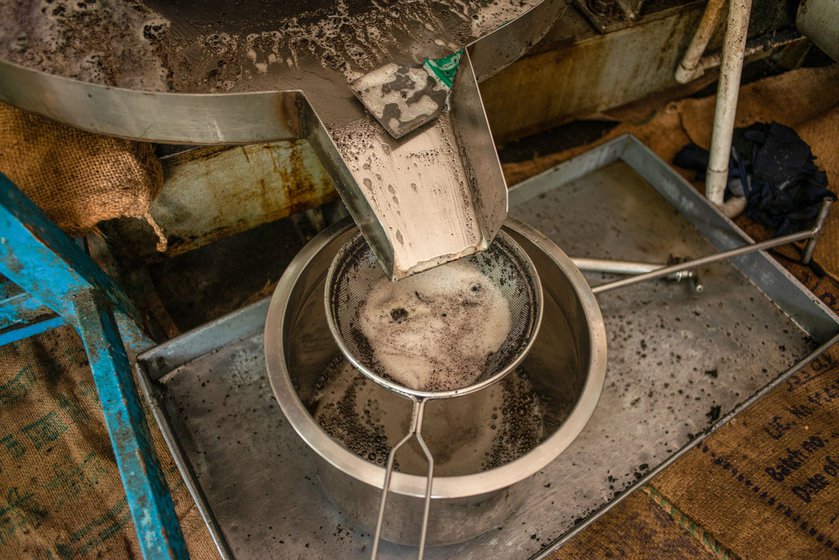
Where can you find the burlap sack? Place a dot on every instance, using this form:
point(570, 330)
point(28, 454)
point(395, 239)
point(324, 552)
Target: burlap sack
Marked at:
point(767, 484)
point(60, 492)
point(79, 179)
point(635, 529)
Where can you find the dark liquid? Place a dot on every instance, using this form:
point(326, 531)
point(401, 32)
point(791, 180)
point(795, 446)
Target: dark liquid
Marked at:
point(466, 435)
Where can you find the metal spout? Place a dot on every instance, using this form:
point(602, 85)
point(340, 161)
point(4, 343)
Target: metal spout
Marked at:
point(432, 196)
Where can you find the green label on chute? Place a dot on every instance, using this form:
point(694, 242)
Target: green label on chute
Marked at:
point(444, 69)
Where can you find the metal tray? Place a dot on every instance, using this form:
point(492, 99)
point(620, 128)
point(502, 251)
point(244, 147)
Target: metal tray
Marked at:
point(680, 364)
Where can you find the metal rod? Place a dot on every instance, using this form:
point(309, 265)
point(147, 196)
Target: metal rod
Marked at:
point(429, 480)
point(631, 268)
point(615, 267)
point(760, 46)
point(668, 270)
point(415, 429)
point(725, 111)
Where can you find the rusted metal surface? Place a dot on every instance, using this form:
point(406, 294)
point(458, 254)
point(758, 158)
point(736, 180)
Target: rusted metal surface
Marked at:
point(594, 72)
point(576, 70)
point(611, 15)
point(210, 193)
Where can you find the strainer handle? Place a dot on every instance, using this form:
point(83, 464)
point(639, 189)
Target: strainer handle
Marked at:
point(415, 430)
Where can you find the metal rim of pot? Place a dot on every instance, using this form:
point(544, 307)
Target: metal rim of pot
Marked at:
point(414, 485)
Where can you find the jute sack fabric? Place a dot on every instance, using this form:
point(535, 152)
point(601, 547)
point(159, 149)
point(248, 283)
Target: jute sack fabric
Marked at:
point(806, 100)
point(635, 529)
point(767, 484)
point(60, 491)
point(79, 179)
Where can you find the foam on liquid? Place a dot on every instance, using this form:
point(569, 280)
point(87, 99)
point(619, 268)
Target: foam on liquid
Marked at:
point(435, 331)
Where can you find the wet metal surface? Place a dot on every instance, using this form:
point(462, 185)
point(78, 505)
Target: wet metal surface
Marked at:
point(285, 74)
point(678, 361)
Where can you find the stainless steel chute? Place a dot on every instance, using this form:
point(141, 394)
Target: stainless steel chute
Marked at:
point(220, 73)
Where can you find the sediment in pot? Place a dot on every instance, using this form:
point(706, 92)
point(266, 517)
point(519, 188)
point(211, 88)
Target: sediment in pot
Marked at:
point(367, 420)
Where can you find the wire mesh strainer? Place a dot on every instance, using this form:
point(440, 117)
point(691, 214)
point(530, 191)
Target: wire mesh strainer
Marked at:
point(355, 273)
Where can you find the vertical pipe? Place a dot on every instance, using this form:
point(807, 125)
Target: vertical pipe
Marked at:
point(734, 47)
point(690, 67)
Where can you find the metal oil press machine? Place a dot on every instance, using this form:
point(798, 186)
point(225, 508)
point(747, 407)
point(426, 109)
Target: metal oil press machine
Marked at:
point(385, 95)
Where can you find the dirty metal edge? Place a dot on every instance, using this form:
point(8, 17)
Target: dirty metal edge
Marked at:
point(806, 310)
point(557, 544)
point(154, 364)
point(150, 393)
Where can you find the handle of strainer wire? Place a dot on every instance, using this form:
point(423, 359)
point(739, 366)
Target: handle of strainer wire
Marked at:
point(415, 430)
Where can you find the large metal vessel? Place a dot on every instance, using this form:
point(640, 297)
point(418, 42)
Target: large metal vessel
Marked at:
point(566, 367)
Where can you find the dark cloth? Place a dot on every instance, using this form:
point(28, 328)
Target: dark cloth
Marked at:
point(775, 170)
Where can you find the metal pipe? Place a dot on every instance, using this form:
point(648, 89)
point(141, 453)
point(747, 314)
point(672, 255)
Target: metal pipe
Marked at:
point(820, 221)
point(762, 46)
point(734, 46)
point(615, 267)
point(636, 268)
point(668, 270)
point(690, 68)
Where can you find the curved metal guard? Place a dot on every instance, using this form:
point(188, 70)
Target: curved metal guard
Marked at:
point(415, 430)
point(260, 77)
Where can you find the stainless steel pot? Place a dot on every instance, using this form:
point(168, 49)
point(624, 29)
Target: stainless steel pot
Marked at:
point(566, 367)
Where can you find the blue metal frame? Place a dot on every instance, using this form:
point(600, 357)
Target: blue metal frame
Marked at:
point(61, 284)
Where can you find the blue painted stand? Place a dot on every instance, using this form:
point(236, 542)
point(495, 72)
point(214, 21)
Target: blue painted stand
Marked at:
point(51, 281)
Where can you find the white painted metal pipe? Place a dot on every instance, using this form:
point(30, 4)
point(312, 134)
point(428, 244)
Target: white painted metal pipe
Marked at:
point(734, 46)
point(690, 68)
point(615, 267)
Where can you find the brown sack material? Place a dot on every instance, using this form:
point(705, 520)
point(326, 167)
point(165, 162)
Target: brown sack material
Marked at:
point(79, 179)
point(822, 133)
point(635, 529)
point(767, 483)
point(60, 491)
point(807, 100)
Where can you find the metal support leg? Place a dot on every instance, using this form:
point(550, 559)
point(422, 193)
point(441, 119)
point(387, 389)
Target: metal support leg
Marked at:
point(145, 488)
point(45, 263)
point(725, 111)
